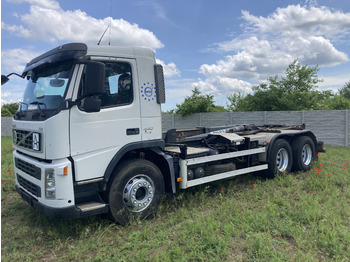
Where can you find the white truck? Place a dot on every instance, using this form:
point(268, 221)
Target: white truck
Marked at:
point(88, 137)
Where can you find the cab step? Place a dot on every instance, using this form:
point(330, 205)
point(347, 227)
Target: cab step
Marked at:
point(90, 206)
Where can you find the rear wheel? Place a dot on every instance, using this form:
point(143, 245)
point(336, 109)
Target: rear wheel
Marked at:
point(280, 160)
point(135, 191)
point(303, 153)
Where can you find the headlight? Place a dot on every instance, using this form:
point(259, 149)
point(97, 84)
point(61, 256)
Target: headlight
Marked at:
point(50, 183)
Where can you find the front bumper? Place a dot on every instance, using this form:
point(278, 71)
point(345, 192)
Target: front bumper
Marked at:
point(31, 184)
point(71, 212)
point(52, 212)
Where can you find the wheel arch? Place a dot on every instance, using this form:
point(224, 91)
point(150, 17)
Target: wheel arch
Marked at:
point(149, 150)
point(166, 165)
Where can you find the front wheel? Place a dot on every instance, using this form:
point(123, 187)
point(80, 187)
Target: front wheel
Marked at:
point(135, 191)
point(281, 158)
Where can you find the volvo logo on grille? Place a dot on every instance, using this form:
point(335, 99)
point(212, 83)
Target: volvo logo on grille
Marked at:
point(36, 142)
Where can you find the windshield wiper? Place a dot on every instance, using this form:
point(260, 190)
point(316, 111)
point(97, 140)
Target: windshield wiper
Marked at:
point(20, 113)
point(39, 104)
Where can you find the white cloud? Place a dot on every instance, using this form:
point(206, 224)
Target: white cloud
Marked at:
point(170, 70)
point(44, 3)
point(12, 91)
point(296, 20)
point(269, 44)
point(46, 21)
point(314, 50)
point(6, 94)
point(219, 85)
point(308, 34)
point(3, 102)
point(255, 59)
point(176, 91)
point(334, 82)
point(14, 60)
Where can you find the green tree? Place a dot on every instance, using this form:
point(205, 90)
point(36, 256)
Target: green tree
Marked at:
point(170, 111)
point(237, 102)
point(300, 78)
point(336, 102)
point(345, 91)
point(9, 109)
point(198, 103)
point(295, 91)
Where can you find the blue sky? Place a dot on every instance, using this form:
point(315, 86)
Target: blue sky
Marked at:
point(221, 46)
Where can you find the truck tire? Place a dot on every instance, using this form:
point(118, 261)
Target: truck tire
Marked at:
point(303, 153)
point(135, 191)
point(281, 158)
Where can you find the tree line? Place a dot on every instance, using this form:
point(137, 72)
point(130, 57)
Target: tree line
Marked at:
point(295, 91)
point(9, 109)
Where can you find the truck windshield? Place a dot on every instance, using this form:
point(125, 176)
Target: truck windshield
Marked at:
point(46, 87)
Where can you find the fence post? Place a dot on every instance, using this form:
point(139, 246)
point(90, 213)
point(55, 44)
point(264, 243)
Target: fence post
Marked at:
point(265, 118)
point(303, 117)
point(347, 127)
point(172, 121)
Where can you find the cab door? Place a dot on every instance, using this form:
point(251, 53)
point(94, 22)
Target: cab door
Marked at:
point(96, 137)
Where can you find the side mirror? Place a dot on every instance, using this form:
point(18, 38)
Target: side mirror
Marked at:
point(94, 82)
point(4, 79)
point(91, 105)
point(94, 78)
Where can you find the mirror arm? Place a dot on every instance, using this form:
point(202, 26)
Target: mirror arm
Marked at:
point(70, 103)
point(5, 79)
point(21, 76)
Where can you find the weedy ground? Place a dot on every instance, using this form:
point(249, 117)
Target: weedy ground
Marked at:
point(303, 216)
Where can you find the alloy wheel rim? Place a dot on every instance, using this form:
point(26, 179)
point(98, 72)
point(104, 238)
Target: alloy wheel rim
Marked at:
point(306, 154)
point(282, 159)
point(138, 193)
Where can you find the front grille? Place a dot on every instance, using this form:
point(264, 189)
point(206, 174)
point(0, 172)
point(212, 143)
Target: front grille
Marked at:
point(29, 186)
point(25, 139)
point(28, 168)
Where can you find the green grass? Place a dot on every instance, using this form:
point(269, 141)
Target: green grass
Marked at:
point(297, 217)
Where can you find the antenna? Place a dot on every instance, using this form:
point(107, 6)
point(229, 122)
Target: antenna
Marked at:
point(103, 35)
point(109, 26)
point(110, 22)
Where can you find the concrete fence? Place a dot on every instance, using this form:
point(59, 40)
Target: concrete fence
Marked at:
point(332, 127)
point(6, 126)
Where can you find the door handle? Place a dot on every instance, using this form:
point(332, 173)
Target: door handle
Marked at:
point(132, 131)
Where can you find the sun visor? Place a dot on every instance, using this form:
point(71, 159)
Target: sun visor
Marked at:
point(61, 53)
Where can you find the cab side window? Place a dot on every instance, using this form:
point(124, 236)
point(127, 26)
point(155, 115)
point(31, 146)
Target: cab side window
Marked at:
point(118, 89)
